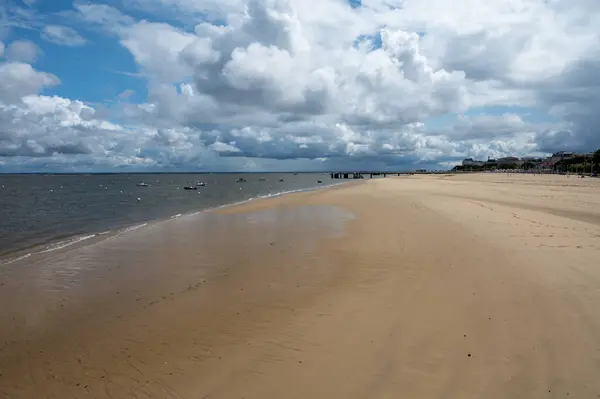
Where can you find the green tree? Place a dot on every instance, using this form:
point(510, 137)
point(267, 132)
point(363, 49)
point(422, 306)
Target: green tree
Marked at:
point(528, 165)
point(596, 158)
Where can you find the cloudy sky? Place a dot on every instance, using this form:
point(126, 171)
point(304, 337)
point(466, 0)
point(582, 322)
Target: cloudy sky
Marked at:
point(294, 84)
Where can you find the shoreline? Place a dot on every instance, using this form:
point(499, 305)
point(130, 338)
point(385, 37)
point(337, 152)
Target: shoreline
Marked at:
point(71, 241)
point(419, 287)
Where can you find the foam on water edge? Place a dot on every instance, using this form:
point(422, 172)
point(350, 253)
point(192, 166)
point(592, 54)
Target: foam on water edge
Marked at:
point(14, 259)
point(65, 243)
point(50, 248)
point(132, 228)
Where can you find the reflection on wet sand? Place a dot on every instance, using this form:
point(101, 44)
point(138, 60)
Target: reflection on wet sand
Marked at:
point(83, 305)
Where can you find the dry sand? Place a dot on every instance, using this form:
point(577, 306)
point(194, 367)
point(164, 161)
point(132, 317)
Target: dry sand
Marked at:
point(472, 286)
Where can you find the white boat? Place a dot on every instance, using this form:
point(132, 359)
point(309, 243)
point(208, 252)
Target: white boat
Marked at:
point(200, 184)
point(142, 184)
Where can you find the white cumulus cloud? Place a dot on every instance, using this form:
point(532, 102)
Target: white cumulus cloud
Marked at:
point(62, 35)
point(22, 51)
point(18, 80)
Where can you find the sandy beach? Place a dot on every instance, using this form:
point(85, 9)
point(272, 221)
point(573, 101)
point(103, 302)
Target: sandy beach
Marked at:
point(455, 286)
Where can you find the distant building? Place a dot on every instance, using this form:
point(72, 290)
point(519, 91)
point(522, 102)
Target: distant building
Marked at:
point(561, 155)
point(557, 157)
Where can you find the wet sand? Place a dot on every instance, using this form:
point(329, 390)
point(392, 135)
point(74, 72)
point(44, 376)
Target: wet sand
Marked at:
point(471, 286)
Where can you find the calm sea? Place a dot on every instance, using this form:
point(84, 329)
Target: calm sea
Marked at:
point(43, 212)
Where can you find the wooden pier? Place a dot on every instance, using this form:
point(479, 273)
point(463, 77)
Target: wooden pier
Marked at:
point(362, 175)
point(356, 175)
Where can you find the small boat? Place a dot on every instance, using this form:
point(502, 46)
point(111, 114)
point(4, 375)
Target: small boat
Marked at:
point(262, 179)
point(200, 184)
point(319, 181)
point(281, 180)
point(142, 184)
point(241, 180)
point(190, 188)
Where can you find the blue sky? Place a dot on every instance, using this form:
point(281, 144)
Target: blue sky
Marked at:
point(94, 72)
point(286, 84)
